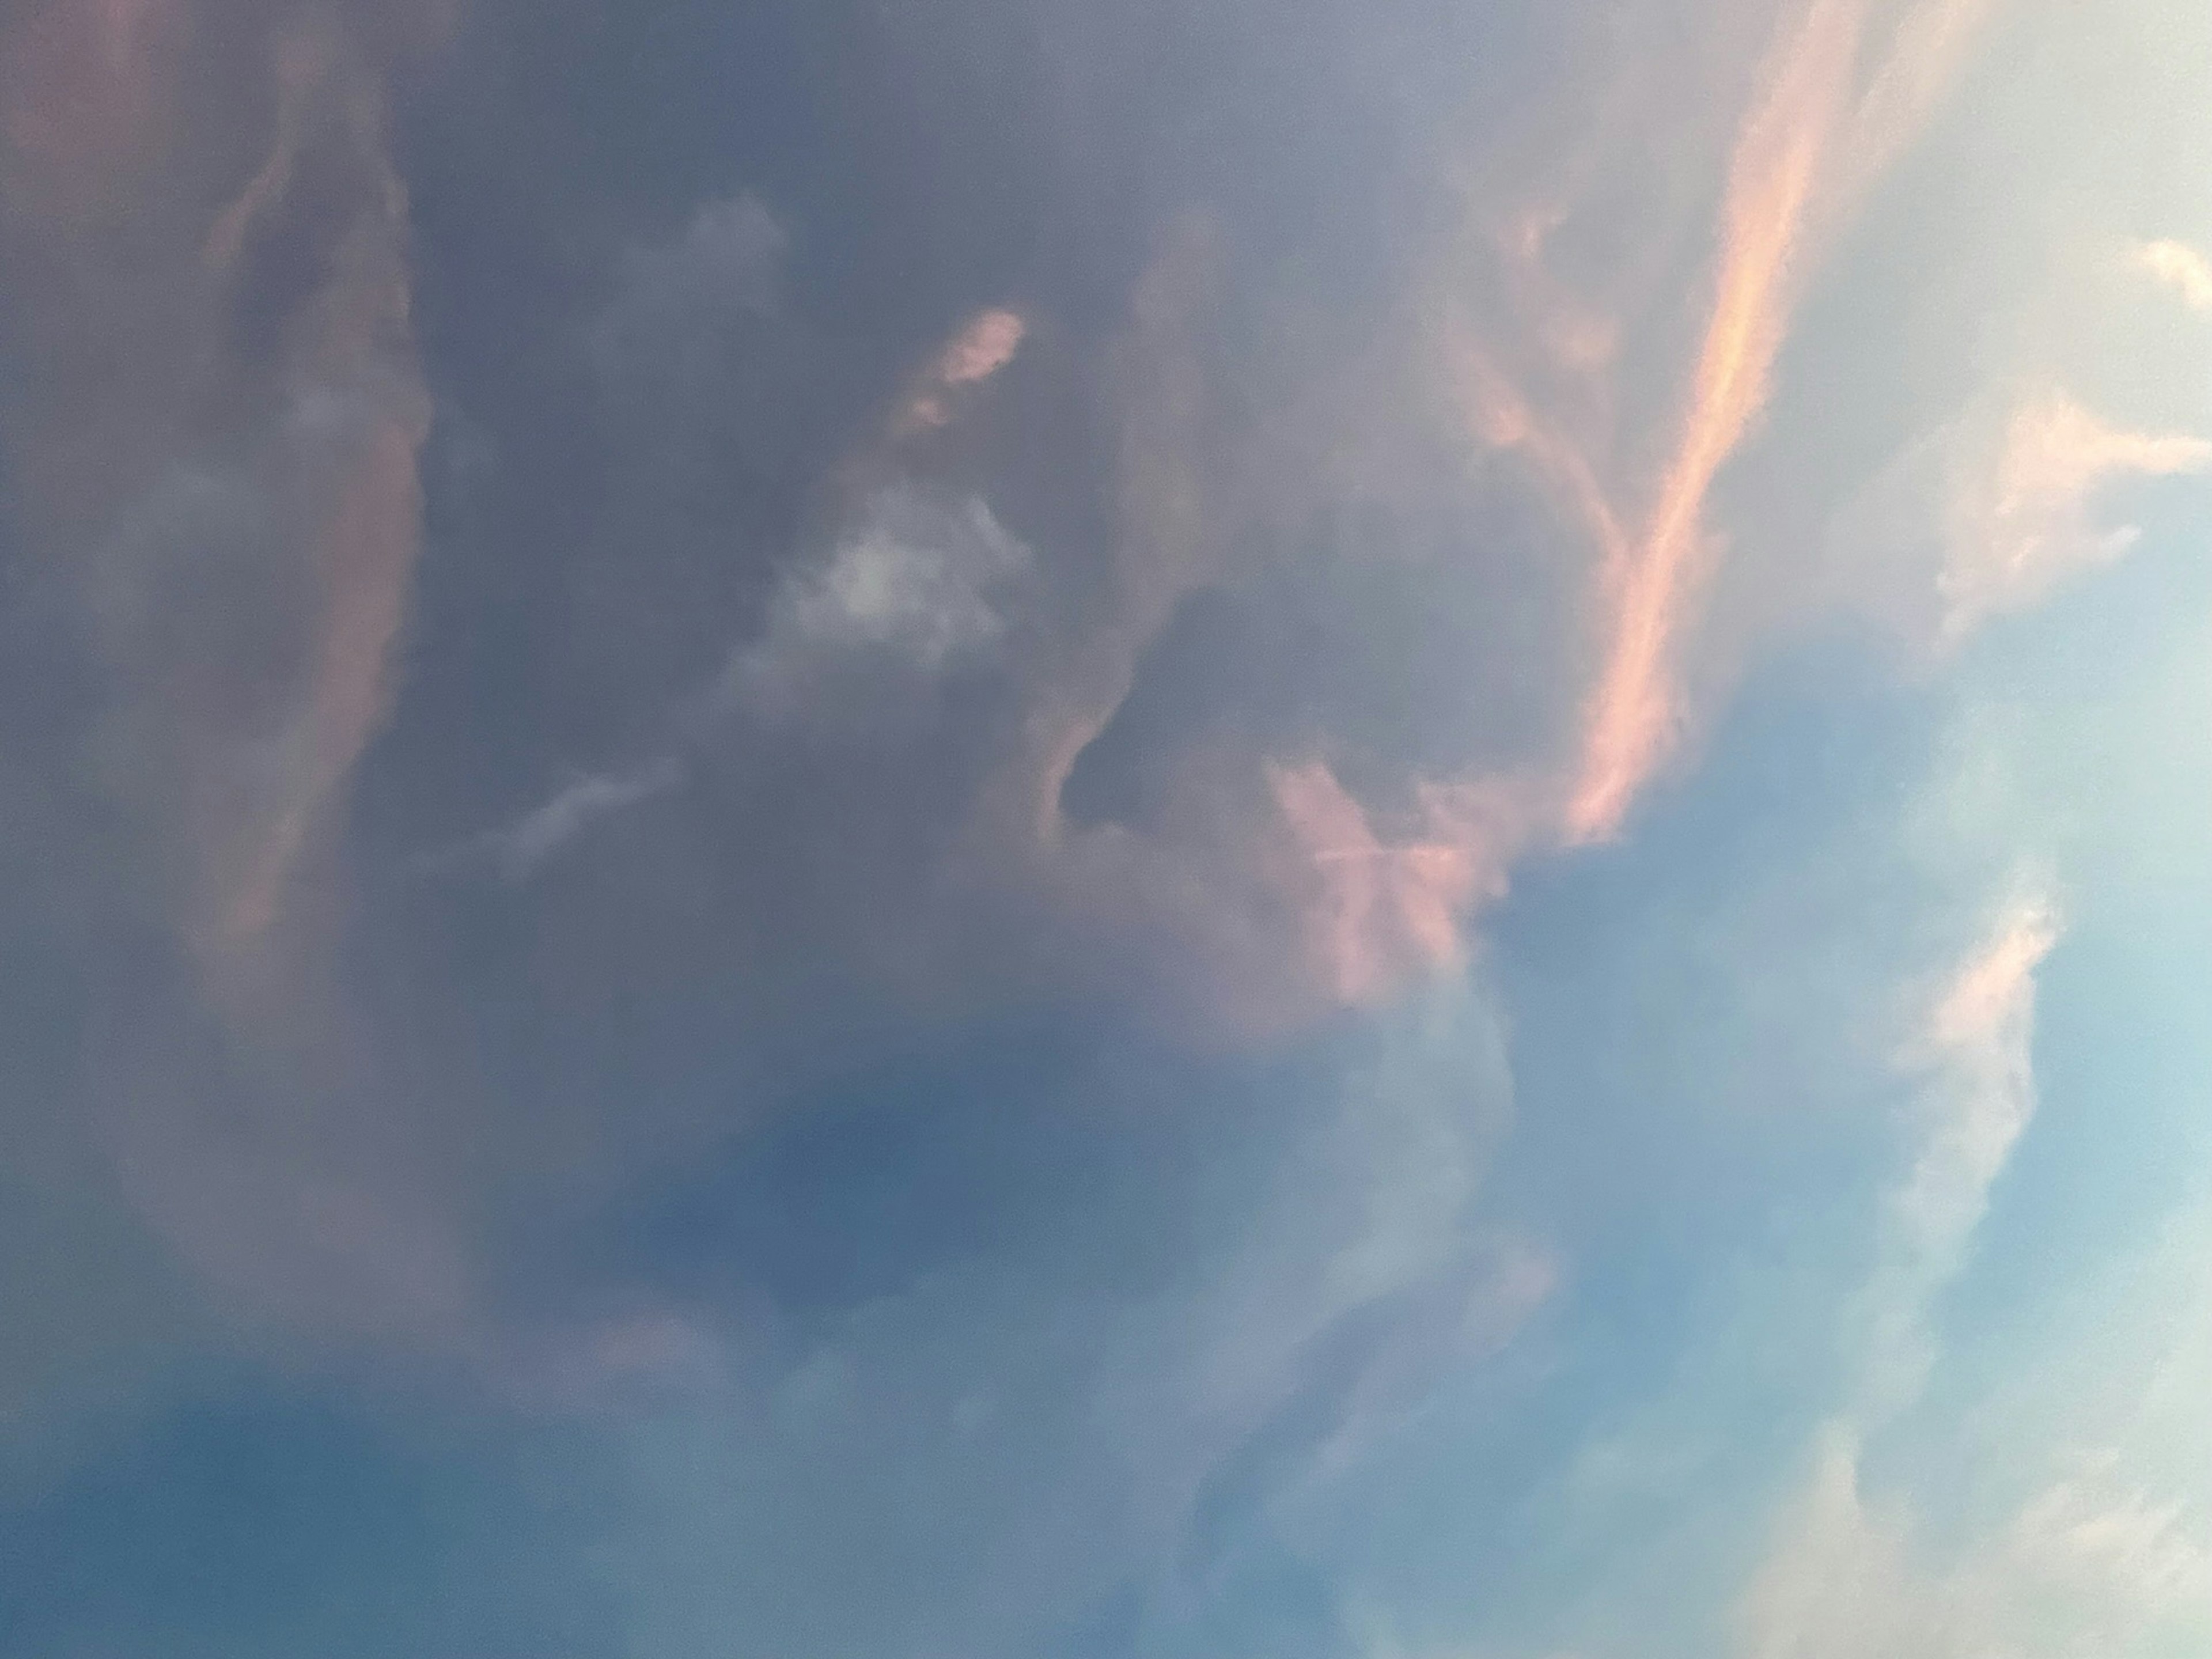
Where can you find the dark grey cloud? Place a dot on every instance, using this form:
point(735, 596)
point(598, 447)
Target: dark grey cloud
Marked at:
point(564, 649)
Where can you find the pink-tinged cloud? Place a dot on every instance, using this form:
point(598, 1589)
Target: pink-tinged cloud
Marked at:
point(1983, 1005)
point(1816, 140)
point(2182, 269)
point(1632, 711)
point(302, 64)
point(366, 549)
point(147, 403)
point(980, 350)
point(1380, 915)
point(1502, 417)
point(359, 417)
point(222, 473)
point(984, 345)
point(2018, 529)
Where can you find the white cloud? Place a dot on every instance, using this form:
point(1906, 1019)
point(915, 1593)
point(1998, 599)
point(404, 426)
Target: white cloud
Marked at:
point(2087, 1568)
point(2182, 269)
point(2099, 1557)
point(1975, 1053)
point(2021, 523)
point(916, 582)
point(519, 849)
point(524, 845)
point(1997, 509)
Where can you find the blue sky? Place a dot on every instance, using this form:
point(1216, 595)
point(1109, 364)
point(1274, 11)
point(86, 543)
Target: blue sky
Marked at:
point(1185, 831)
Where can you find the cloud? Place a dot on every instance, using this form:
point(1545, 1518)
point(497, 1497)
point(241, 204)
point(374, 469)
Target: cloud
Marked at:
point(85, 95)
point(1975, 1053)
point(2084, 1568)
point(290, 377)
point(2181, 268)
point(984, 345)
point(916, 580)
point(1838, 1588)
point(1099, 1436)
point(1842, 93)
point(1387, 915)
point(217, 496)
point(1200, 447)
point(519, 849)
point(987, 1092)
point(702, 469)
point(2027, 523)
point(1839, 1582)
point(981, 349)
point(1997, 509)
point(1772, 180)
point(1812, 144)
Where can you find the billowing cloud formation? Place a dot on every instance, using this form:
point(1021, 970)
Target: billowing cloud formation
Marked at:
point(836, 832)
point(749, 585)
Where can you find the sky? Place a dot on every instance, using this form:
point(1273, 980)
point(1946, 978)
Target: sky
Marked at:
point(1029, 830)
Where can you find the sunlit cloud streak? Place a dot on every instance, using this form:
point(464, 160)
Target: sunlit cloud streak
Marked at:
point(1808, 150)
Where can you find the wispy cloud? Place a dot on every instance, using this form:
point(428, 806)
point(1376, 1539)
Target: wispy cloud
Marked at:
point(2088, 1564)
point(294, 382)
point(1839, 1583)
point(1771, 180)
point(2028, 520)
point(1813, 142)
point(519, 850)
point(1976, 1054)
point(727, 261)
